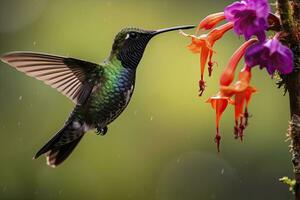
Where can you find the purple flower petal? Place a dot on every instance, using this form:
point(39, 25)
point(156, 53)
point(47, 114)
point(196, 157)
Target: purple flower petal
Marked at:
point(249, 17)
point(272, 55)
point(231, 10)
point(261, 7)
point(252, 55)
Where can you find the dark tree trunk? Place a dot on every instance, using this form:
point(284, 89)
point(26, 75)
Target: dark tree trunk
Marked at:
point(289, 12)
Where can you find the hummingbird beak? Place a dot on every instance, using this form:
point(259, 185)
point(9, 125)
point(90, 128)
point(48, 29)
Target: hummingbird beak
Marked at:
point(172, 29)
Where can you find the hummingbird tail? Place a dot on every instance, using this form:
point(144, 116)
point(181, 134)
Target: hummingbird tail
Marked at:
point(63, 143)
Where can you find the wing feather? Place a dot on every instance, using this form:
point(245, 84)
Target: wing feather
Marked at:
point(67, 75)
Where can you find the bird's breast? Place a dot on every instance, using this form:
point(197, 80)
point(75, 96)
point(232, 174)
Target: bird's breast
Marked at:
point(111, 97)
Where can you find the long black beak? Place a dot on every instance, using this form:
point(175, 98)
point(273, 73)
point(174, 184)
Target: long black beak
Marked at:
point(172, 29)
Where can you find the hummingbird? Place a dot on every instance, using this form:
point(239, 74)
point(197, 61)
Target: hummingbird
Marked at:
point(100, 92)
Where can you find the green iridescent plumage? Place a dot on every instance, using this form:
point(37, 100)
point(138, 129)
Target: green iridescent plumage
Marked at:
point(101, 91)
point(112, 95)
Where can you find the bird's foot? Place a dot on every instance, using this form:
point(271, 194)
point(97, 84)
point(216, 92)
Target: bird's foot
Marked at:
point(101, 131)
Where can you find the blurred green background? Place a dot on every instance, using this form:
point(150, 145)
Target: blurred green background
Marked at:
point(162, 147)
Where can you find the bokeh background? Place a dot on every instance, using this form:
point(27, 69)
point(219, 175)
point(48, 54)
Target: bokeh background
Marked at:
point(162, 147)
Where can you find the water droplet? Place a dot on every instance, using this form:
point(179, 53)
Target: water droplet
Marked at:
point(222, 171)
point(34, 43)
point(151, 118)
point(20, 98)
point(19, 123)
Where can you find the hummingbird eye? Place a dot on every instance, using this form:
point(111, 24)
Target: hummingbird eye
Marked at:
point(132, 35)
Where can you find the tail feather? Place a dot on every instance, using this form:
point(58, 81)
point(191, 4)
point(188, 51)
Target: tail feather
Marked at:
point(61, 145)
point(57, 155)
point(49, 145)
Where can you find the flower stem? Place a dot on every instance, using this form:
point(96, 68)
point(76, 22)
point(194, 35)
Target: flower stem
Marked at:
point(290, 18)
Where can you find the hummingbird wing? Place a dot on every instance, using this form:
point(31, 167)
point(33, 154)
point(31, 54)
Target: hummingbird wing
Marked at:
point(69, 76)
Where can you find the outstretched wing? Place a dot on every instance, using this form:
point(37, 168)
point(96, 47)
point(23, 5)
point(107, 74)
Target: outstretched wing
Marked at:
point(69, 76)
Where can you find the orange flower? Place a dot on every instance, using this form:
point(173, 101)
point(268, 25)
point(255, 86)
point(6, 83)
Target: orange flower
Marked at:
point(242, 92)
point(241, 89)
point(228, 73)
point(210, 21)
point(203, 44)
point(219, 103)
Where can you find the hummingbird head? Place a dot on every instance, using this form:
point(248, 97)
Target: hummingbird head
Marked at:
point(130, 43)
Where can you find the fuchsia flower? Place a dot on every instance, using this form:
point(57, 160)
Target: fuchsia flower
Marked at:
point(250, 17)
point(203, 45)
point(219, 103)
point(272, 55)
point(240, 90)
